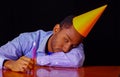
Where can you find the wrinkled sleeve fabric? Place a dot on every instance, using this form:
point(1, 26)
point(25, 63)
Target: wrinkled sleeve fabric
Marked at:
point(74, 58)
point(9, 51)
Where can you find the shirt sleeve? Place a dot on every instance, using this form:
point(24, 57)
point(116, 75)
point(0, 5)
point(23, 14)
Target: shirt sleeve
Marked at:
point(74, 58)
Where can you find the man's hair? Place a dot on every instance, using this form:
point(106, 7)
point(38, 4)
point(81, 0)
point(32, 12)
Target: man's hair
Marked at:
point(67, 22)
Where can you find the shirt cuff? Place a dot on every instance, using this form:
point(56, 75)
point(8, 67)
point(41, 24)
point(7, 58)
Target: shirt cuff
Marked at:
point(1, 62)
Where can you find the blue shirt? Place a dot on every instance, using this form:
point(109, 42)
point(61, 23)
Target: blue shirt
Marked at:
point(23, 45)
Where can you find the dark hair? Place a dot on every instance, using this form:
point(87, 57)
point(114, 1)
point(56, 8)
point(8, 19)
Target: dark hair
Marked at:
point(67, 22)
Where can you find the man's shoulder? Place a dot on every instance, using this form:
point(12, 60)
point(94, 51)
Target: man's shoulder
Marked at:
point(37, 33)
point(40, 31)
point(43, 32)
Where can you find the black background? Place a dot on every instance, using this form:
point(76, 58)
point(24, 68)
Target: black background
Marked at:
point(102, 43)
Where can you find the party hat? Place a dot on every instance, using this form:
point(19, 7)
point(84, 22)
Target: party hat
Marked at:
point(85, 22)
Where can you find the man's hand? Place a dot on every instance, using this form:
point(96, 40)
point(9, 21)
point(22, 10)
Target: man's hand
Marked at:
point(23, 64)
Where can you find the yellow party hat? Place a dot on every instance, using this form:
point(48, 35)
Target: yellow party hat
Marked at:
point(85, 22)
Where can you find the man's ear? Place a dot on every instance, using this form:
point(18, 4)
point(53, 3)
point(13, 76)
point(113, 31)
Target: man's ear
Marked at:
point(56, 28)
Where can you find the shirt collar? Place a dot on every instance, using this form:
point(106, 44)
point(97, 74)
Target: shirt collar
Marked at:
point(43, 43)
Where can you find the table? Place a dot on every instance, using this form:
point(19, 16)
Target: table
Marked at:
point(86, 71)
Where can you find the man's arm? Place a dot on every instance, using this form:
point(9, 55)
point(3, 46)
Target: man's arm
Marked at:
point(74, 58)
point(12, 53)
point(11, 57)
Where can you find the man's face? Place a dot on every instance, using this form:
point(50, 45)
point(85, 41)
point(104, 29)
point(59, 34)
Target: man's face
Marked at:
point(65, 39)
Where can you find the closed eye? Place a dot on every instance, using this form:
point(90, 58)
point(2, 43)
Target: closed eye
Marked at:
point(66, 40)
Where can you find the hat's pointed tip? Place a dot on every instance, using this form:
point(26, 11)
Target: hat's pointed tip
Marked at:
point(84, 22)
point(104, 6)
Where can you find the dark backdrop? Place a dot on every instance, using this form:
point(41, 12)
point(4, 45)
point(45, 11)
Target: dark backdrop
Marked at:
point(102, 43)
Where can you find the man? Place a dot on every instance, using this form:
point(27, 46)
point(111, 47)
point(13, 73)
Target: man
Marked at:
point(61, 47)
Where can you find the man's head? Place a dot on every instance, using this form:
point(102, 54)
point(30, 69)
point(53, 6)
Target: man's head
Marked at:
point(64, 37)
point(71, 31)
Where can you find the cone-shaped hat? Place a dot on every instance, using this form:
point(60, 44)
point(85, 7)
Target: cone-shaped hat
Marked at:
point(84, 22)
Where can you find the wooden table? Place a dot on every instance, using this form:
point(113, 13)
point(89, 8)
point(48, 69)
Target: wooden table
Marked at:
point(87, 71)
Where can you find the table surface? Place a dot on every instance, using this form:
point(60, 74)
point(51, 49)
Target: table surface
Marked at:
point(86, 71)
